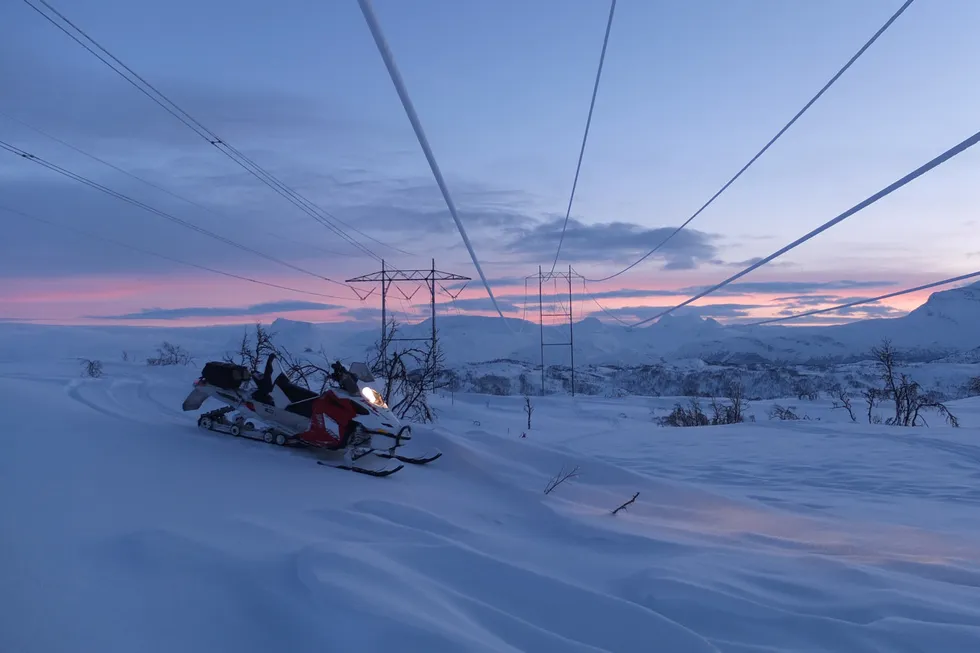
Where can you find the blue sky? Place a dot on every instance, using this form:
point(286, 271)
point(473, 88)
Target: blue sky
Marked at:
point(690, 91)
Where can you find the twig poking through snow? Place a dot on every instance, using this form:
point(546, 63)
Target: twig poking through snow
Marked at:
point(623, 507)
point(529, 409)
point(560, 478)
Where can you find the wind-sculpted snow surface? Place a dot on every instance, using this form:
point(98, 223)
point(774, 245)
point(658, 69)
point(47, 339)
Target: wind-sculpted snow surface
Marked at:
point(126, 528)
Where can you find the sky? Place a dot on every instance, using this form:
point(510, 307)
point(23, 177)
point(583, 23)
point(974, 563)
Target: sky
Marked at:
point(690, 92)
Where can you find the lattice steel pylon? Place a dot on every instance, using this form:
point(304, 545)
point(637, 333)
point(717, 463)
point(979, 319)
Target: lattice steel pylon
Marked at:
point(559, 311)
point(389, 278)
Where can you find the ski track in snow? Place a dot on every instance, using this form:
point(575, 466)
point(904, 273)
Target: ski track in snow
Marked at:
point(134, 530)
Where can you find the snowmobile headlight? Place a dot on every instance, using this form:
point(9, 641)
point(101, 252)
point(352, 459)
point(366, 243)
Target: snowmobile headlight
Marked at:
point(373, 397)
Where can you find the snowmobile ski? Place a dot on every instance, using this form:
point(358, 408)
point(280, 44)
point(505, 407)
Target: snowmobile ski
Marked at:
point(379, 471)
point(423, 459)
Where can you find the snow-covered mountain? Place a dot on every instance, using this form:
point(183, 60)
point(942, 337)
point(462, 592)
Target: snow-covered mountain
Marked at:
point(947, 324)
point(944, 330)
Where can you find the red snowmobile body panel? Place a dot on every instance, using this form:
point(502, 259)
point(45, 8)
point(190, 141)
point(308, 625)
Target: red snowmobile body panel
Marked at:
point(331, 422)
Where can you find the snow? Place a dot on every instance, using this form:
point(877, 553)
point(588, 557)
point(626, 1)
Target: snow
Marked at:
point(129, 529)
point(944, 324)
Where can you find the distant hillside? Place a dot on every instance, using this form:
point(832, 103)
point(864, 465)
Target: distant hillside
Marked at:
point(946, 327)
point(947, 324)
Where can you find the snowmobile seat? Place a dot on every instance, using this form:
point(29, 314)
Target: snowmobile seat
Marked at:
point(293, 392)
point(302, 408)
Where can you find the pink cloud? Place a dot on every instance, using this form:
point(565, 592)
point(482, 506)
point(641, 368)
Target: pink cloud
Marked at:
point(69, 299)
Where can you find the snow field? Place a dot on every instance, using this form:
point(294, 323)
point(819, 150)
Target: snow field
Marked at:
point(127, 528)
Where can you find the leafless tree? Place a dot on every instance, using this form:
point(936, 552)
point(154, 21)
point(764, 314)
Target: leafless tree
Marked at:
point(170, 354)
point(560, 478)
point(734, 411)
point(805, 389)
point(911, 401)
point(252, 351)
point(91, 368)
point(907, 394)
point(125, 356)
point(311, 373)
point(408, 375)
point(871, 397)
point(885, 357)
point(842, 400)
point(738, 404)
point(528, 408)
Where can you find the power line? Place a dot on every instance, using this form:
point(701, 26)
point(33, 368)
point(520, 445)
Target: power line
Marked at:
point(317, 213)
point(396, 78)
point(601, 307)
point(585, 136)
point(163, 256)
point(146, 207)
point(759, 154)
point(193, 124)
point(869, 300)
point(129, 174)
point(918, 172)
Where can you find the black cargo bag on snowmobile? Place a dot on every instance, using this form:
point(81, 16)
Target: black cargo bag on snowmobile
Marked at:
point(226, 376)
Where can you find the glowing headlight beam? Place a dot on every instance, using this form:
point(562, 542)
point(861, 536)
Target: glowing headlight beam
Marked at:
point(373, 397)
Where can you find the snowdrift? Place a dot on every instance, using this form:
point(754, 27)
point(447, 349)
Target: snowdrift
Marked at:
point(129, 529)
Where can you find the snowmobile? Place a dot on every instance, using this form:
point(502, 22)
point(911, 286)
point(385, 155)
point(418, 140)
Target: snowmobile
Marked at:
point(350, 424)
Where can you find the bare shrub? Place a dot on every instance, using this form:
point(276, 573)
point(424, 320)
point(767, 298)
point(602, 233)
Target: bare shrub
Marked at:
point(778, 412)
point(560, 478)
point(91, 368)
point(690, 416)
point(170, 354)
point(731, 413)
point(973, 386)
point(528, 409)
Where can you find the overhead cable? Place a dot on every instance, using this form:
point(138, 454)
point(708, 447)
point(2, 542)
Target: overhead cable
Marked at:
point(759, 154)
point(601, 307)
point(149, 183)
point(163, 214)
point(396, 78)
point(918, 172)
point(317, 213)
point(232, 275)
point(585, 136)
point(867, 300)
